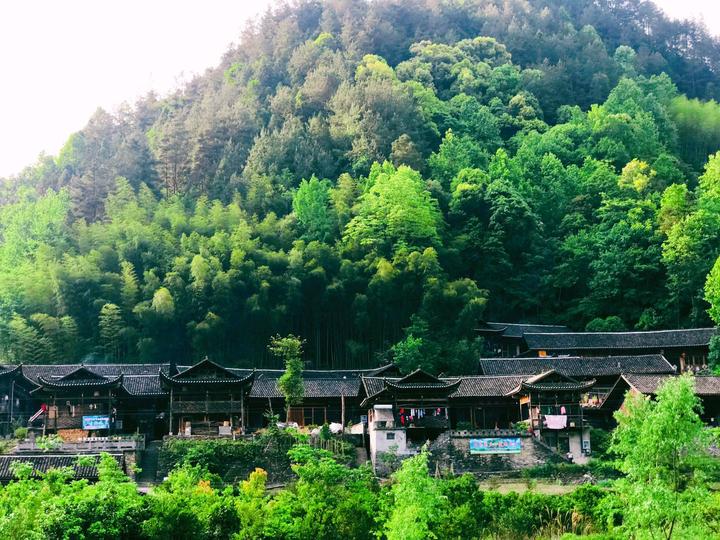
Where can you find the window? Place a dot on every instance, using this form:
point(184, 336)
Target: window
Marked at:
point(390, 436)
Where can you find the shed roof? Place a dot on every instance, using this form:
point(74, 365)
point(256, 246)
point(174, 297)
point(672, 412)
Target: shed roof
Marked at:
point(45, 462)
point(649, 384)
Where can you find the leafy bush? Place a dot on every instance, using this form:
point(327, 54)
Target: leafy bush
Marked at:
point(21, 433)
point(554, 470)
point(231, 460)
point(48, 443)
point(328, 500)
point(600, 442)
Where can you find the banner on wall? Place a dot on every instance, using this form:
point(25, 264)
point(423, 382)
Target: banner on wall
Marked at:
point(496, 445)
point(95, 422)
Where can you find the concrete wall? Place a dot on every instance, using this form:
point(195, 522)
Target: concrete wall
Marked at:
point(388, 444)
point(576, 446)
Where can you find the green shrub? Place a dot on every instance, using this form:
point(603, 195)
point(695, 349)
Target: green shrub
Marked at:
point(231, 460)
point(554, 470)
point(600, 440)
point(48, 443)
point(603, 469)
point(21, 433)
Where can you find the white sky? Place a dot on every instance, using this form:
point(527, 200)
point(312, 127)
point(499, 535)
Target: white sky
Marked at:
point(59, 61)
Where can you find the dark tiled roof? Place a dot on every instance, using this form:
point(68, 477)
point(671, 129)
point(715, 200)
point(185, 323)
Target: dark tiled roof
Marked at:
point(143, 385)
point(373, 385)
point(144, 379)
point(518, 330)
point(206, 371)
point(575, 366)
point(32, 372)
point(82, 373)
point(552, 381)
point(225, 378)
point(45, 462)
point(439, 385)
point(9, 371)
point(318, 383)
point(51, 371)
point(422, 380)
point(655, 339)
point(707, 386)
point(101, 382)
point(264, 387)
point(138, 379)
point(560, 386)
point(471, 387)
point(648, 384)
point(645, 384)
point(388, 369)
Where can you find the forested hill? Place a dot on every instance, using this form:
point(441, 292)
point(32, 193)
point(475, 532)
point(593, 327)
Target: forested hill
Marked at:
point(377, 178)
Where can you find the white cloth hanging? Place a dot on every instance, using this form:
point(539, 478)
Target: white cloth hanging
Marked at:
point(556, 421)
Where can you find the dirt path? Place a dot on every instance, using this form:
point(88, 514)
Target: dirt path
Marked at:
point(546, 488)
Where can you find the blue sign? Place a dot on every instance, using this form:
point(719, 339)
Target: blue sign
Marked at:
point(96, 422)
point(496, 445)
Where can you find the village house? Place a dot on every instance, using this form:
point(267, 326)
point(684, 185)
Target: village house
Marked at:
point(684, 348)
point(499, 416)
point(506, 339)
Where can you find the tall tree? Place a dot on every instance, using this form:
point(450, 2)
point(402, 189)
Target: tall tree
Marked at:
point(417, 501)
point(663, 449)
point(290, 383)
point(110, 324)
point(397, 210)
point(314, 213)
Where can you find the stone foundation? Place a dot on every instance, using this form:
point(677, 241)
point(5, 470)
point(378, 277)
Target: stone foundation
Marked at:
point(450, 452)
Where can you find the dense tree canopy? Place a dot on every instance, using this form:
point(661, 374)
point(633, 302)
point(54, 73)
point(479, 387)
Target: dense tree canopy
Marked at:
point(375, 177)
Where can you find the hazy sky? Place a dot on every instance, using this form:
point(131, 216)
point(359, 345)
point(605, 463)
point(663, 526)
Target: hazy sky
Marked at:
point(61, 60)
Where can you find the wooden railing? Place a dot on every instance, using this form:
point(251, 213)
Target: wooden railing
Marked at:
point(119, 443)
point(206, 406)
point(573, 421)
point(485, 433)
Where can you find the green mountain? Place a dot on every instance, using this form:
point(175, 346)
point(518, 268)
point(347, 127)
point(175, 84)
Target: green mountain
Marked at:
point(377, 177)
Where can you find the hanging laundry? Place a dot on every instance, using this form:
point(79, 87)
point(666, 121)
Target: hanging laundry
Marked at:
point(556, 421)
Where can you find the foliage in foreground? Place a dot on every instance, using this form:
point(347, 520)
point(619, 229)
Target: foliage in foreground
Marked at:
point(664, 454)
point(661, 447)
point(231, 460)
point(327, 501)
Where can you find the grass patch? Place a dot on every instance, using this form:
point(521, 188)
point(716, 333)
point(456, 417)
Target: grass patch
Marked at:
point(544, 488)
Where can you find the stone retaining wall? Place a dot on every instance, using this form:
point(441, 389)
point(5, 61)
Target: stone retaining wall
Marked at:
point(451, 452)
